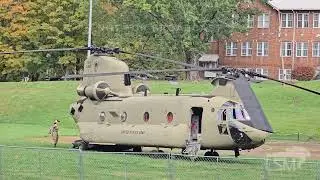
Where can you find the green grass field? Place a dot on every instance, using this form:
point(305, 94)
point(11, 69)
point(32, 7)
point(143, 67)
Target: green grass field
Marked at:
point(21, 163)
point(28, 109)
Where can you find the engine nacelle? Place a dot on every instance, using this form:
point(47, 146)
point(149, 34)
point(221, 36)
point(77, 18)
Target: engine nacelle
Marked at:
point(97, 91)
point(141, 89)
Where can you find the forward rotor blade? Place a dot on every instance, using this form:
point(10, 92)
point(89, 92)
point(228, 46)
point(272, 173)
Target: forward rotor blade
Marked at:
point(46, 50)
point(142, 72)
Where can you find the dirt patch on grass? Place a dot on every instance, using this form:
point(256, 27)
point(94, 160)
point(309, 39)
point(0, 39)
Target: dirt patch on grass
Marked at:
point(48, 139)
point(308, 150)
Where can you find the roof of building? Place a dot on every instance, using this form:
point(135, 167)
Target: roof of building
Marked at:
point(295, 4)
point(209, 58)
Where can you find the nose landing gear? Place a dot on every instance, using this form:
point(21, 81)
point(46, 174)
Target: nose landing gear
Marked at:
point(236, 152)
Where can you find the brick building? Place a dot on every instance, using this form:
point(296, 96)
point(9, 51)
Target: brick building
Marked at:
point(286, 35)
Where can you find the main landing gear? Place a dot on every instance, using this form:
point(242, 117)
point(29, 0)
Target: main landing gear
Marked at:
point(211, 153)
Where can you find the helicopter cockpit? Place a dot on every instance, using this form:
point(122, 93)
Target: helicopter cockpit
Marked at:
point(233, 111)
point(233, 118)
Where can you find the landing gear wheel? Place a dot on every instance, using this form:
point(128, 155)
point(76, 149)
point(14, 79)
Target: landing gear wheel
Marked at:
point(215, 154)
point(208, 153)
point(236, 153)
point(84, 146)
point(137, 149)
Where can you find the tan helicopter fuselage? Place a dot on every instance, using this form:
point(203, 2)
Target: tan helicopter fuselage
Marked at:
point(111, 111)
point(122, 121)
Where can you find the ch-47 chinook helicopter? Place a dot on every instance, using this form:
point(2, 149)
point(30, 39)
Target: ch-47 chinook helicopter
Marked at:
point(110, 110)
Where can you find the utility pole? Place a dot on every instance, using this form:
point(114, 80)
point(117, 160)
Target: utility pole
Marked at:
point(90, 25)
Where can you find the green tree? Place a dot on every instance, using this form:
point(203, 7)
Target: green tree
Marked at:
point(13, 36)
point(38, 24)
point(57, 24)
point(176, 29)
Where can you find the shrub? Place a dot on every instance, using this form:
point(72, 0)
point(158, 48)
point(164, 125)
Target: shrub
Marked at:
point(303, 73)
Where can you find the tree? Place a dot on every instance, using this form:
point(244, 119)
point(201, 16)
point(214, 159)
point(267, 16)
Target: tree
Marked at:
point(59, 24)
point(13, 35)
point(27, 25)
point(179, 29)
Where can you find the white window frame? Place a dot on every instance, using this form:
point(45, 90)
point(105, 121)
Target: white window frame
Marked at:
point(250, 21)
point(316, 20)
point(286, 49)
point(233, 48)
point(246, 48)
point(316, 49)
point(263, 71)
point(287, 20)
point(304, 20)
point(264, 50)
point(285, 75)
point(302, 49)
point(265, 20)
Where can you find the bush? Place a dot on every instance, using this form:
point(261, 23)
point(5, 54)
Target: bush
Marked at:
point(303, 73)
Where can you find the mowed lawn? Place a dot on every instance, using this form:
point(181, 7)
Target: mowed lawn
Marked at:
point(28, 109)
point(66, 164)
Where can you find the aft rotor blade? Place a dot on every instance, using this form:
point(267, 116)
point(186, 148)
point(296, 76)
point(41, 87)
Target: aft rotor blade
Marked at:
point(299, 87)
point(46, 50)
point(163, 59)
point(142, 72)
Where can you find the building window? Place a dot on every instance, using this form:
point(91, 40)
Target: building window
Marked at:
point(285, 74)
point(316, 49)
point(263, 72)
point(316, 20)
point(246, 49)
point(250, 21)
point(287, 20)
point(286, 49)
point(303, 20)
point(262, 49)
point(302, 49)
point(263, 21)
point(231, 49)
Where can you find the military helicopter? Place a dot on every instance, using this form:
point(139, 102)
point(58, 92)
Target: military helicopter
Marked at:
point(112, 111)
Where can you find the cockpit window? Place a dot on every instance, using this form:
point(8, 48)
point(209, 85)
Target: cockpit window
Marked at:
point(231, 110)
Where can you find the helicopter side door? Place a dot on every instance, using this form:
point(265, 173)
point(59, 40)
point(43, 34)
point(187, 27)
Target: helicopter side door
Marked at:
point(196, 123)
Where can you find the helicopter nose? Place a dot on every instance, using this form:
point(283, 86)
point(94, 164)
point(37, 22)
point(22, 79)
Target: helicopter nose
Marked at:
point(247, 137)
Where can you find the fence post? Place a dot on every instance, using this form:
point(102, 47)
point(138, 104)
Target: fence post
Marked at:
point(318, 168)
point(170, 167)
point(40, 164)
point(125, 166)
point(80, 164)
point(1, 165)
point(265, 169)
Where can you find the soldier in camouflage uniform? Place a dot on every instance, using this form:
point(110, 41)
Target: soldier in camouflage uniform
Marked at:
point(54, 132)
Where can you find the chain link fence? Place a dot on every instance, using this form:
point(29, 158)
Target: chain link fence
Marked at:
point(42, 163)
